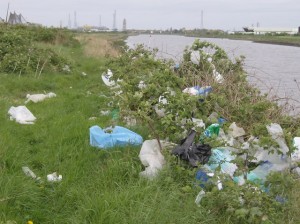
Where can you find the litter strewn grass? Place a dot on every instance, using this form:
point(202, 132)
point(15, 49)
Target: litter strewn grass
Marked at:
point(98, 186)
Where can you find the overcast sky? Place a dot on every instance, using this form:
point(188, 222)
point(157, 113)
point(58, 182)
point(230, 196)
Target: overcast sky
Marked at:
point(160, 14)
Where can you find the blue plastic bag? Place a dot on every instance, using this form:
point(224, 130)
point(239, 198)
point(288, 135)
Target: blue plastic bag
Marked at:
point(111, 137)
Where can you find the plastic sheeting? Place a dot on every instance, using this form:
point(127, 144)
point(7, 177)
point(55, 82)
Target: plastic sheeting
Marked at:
point(39, 97)
point(151, 158)
point(22, 115)
point(195, 154)
point(111, 137)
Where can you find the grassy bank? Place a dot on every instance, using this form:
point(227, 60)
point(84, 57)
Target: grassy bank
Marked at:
point(98, 186)
point(288, 40)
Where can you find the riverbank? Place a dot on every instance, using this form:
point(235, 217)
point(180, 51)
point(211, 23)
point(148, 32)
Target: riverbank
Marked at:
point(104, 186)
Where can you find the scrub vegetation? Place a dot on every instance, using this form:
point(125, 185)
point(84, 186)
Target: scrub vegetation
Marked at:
point(104, 186)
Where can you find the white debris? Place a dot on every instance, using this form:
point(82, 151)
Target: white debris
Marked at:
point(105, 112)
point(191, 91)
point(39, 97)
point(107, 78)
point(199, 197)
point(151, 158)
point(53, 177)
point(130, 121)
point(142, 85)
point(296, 153)
point(92, 118)
point(28, 172)
point(66, 68)
point(217, 76)
point(83, 74)
point(21, 114)
point(159, 112)
point(198, 123)
point(276, 132)
point(236, 131)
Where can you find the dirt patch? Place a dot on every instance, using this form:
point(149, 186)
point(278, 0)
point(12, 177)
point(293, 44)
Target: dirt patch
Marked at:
point(97, 45)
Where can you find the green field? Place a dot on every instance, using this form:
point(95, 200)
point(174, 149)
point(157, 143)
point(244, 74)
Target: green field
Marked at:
point(100, 186)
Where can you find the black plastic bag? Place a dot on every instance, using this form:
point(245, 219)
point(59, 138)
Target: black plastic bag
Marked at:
point(191, 152)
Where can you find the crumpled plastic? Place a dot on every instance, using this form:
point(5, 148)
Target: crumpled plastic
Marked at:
point(39, 97)
point(22, 115)
point(151, 158)
point(195, 154)
point(111, 137)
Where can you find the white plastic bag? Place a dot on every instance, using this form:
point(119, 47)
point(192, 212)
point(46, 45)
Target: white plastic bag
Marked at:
point(151, 158)
point(236, 131)
point(54, 178)
point(276, 132)
point(39, 97)
point(21, 114)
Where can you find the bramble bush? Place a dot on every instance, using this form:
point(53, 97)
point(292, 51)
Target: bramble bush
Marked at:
point(20, 53)
point(233, 98)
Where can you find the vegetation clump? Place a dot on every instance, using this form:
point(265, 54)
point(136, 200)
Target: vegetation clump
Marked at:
point(23, 50)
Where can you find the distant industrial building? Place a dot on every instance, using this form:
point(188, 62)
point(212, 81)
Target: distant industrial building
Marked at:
point(14, 19)
point(124, 25)
point(266, 30)
point(114, 28)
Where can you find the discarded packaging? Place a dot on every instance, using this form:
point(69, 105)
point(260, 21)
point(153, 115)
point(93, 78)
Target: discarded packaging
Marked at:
point(151, 158)
point(221, 157)
point(107, 78)
point(22, 115)
point(212, 130)
point(261, 172)
point(236, 131)
point(28, 172)
point(199, 197)
point(104, 112)
point(142, 85)
point(130, 121)
point(195, 154)
point(111, 137)
point(296, 153)
point(198, 123)
point(53, 177)
point(196, 90)
point(218, 77)
point(66, 68)
point(39, 97)
point(276, 132)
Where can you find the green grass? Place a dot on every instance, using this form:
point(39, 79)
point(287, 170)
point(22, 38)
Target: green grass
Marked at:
point(98, 186)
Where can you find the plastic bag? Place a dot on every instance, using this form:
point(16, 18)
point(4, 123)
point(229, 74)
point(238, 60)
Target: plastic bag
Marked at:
point(276, 132)
point(21, 114)
point(151, 158)
point(236, 131)
point(195, 154)
point(39, 97)
point(111, 137)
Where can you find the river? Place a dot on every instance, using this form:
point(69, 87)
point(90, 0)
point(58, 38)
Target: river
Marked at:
point(274, 69)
